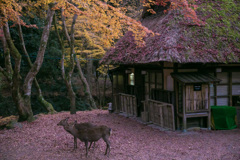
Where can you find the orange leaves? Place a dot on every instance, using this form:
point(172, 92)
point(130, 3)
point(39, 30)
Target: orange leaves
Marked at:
point(188, 11)
point(186, 8)
point(10, 11)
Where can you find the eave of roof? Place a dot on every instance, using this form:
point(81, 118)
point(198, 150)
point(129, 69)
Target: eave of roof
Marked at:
point(194, 77)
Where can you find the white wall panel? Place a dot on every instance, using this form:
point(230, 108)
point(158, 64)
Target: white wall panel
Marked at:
point(235, 89)
point(222, 90)
point(222, 101)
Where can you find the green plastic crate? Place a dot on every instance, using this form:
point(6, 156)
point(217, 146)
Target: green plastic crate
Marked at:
point(223, 117)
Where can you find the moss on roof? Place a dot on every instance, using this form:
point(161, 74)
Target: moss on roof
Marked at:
point(182, 41)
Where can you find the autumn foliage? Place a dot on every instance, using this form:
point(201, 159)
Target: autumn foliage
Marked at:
point(187, 9)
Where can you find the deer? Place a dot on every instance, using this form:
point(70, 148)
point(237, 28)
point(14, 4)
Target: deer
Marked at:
point(78, 126)
point(89, 134)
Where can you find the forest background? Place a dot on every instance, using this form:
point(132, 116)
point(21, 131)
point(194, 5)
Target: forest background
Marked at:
point(70, 76)
point(50, 50)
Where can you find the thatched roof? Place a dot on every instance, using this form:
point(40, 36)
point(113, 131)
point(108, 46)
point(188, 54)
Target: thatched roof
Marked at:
point(179, 40)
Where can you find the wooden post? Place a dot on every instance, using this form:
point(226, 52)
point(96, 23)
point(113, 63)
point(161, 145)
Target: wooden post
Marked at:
point(184, 109)
point(173, 124)
point(230, 88)
point(177, 105)
point(127, 105)
point(209, 109)
point(161, 115)
point(215, 90)
point(135, 104)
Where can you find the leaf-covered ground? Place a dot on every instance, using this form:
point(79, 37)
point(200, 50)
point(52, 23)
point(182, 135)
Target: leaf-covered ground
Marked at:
point(130, 139)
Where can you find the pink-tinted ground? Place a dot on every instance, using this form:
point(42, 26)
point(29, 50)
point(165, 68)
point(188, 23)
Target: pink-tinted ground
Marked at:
point(44, 140)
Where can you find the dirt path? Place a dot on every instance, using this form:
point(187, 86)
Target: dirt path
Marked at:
point(130, 140)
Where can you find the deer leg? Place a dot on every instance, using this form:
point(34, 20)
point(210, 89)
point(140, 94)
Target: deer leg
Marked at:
point(93, 145)
point(75, 142)
point(108, 145)
point(86, 145)
point(90, 145)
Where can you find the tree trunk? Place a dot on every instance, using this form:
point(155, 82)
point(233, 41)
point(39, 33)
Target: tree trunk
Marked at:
point(8, 72)
point(97, 90)
point(48, 106)
point(89, 72)
point(24, 110)
point(86, 86)
point(23, 99)
point(27, 86)
point(67, 77)
point(104, 89)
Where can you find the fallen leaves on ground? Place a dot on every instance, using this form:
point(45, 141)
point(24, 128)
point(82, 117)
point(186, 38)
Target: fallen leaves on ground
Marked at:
point(130, 140)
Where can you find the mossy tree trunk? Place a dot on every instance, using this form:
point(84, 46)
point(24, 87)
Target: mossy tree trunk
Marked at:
point(23, 105)
point(48, 106)
point(22, 98)
point(87, 89)
point(8, 71)
point(89, 73)
point(86, 86)
point(67, 76)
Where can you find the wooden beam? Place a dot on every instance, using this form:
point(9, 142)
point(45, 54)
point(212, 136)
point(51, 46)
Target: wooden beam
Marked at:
point(209, 109)
point(230, 88)
point(184, 109)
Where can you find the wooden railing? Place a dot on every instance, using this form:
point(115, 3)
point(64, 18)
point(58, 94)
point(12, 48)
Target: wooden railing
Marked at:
point(159, 113)
point(125, 103)
point(163, 96)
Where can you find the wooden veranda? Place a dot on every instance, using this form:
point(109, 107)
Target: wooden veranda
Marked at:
point(156, 112)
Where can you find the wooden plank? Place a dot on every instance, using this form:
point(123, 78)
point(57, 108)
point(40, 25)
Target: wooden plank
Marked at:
point(170, 116)
point(158, 106)
point(199, 100)
point(121, 103)
point(125, 103)
point(173, 119)
point(230, 88)
point(134, 107)
point(195, 100)
point(152, 111)
point(184, 109)
point(161, 116)
point(203, 92)
point(207, 90)
point(165, 113)
point(188, 98)
point(192, 98)
point(130, 106)
point(209, 109)
point(177, 106)
point(167, 116)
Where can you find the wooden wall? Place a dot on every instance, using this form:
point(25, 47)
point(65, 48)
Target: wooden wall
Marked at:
point(196, 100)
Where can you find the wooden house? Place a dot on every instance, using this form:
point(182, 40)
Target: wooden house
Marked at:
point(179, 73)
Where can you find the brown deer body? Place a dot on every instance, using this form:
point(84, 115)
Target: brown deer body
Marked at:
point(77, 125)
point(91, 134)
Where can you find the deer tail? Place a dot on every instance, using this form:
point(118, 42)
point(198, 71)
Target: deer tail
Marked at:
point(110, 131)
